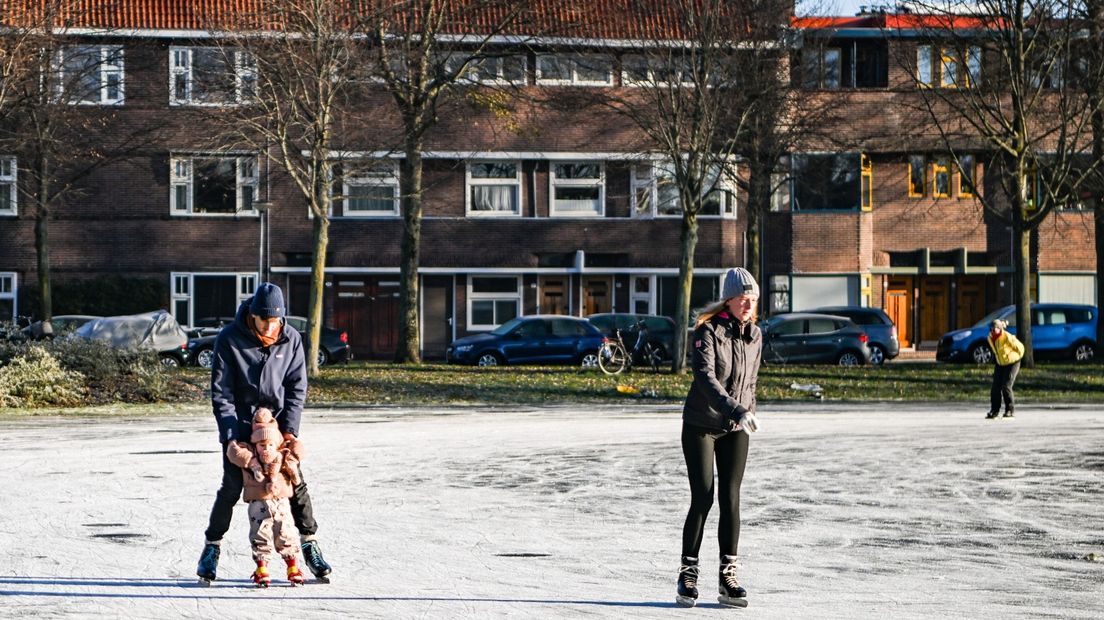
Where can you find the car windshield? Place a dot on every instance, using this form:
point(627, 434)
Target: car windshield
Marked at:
point(505, 328)
point(996, 314)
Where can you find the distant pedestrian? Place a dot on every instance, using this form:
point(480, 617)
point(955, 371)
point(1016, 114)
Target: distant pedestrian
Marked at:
point(1007, 351)
point(718, 416)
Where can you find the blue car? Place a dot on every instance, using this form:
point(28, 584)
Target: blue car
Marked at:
point(1057, 330)
point(531, 340)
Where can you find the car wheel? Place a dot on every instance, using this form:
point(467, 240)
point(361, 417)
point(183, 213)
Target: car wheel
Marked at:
point(877, 355)
point(849, 358)
point(205, 358)
point(323, 358)
point(589, 360)
point(489, 359)
point(981, 353)
point(1084, 352)
point(168, 361)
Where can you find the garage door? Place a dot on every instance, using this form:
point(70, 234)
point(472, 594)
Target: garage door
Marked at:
point(815, 291)
point(1067, 288)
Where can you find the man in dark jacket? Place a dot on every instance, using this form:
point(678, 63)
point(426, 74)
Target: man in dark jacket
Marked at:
point(259, 360)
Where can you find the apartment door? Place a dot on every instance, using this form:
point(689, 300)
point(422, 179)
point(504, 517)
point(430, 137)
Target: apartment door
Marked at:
point(597, 294)
point(935, 298)
point(970, 305)
point(383, 312)
point(368, 309)
point(553, 292)
point(898, 305)
point(436, 316)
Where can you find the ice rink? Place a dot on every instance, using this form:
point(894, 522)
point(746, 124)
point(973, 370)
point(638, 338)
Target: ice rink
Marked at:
point(874, 511)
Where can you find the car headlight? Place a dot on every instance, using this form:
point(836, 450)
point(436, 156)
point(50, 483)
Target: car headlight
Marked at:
point(960, 336)
point(464, 348)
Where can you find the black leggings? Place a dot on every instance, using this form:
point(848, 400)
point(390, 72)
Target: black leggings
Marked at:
point(1003, 379)
point(730, 448)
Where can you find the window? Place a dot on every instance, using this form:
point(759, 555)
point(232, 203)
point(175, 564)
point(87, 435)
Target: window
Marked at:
point(967, 176)
point(950, 66)
point(213, 185)
point(368, 190)
point(655, 192)
point(576, 69)
point(8, 195)
point(781, 193)
point(211, 76)
point(505, 70)
point(209, 299)
point(918, 176)
point(941, 177)
point(578, 189)
point(638, 70)
point(494, 188)
point(779, 294)
point(89, 74)
point(493, 300)
point(827, 181)
point(822, 68)
point(641, 297)
point(924, 72)
point(8, 305)
point(944, 66)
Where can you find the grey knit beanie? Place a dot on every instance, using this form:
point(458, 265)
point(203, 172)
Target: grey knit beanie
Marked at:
point(738, 281)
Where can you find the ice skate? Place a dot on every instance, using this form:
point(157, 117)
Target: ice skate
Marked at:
point(208, 563)
point(732, 594)
point(261, 576)
point(312, 554)
point(294, 575)
point(688, 582)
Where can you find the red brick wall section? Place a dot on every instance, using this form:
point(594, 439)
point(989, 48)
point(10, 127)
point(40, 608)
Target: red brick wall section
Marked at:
point(826, 242)
point(1066, 242)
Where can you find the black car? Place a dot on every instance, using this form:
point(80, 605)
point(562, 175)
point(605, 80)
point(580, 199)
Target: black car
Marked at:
point(883, 343)
point(334, 347)
point(661, 329)
point(807, 338)
point(531, 340)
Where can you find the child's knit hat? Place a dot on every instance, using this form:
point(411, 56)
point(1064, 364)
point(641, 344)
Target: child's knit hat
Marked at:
point(268, 433)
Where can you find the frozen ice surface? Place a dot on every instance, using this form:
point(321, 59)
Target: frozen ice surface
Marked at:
point(875, 511)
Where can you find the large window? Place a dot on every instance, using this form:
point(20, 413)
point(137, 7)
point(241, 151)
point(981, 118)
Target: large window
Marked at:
point(655, 193)
point(941, 177)
point(211, 76)
point(574, 69)
point(967, 176)
point(828, 181)
point(822, 69)
point(948, 67)
point(8, 289)
point(666, 70)
point(213, 185)
point(917, 176)
point(89, 74)
point(8, 194)
point(494, 188)
point(493, 300)
point(844, 63)
point(368, 190)
point(501, 70)
point(577, 189)
point(209, 299)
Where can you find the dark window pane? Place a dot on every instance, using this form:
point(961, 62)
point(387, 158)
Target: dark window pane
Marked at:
point(494, 285)
point(214, 183)
point(483, 312)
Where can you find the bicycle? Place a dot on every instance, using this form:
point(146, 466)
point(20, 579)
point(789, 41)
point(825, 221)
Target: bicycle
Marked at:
point(615, 358)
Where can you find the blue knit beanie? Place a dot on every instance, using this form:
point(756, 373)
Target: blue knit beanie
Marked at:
point(268, 302)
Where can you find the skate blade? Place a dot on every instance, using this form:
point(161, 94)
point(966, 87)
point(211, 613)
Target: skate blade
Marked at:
point(322, 579)
point(727, 601)
point(685, 601)
point(204, 582)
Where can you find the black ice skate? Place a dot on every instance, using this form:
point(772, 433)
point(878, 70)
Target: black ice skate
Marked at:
point(732, 594)
point(208, 563)
point(315, 562)
point(688, 582)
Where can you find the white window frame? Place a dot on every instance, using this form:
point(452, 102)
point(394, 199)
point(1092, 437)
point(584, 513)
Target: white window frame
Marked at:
point(10, 291)
point(111, 63)
point(474, 64)
point(10, 182)
point(650, 184)
point(648, 296)
point(182, 174)
point(474, 297)
point(653, 77)
point(383, 174)
point(573, 64)
point(470, 182)
point(182, 288)
point(181, 63)
point(555, 182)
point(925, 66)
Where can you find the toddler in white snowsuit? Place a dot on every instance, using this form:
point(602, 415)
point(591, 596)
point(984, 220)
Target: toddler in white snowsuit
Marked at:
point(271, 471)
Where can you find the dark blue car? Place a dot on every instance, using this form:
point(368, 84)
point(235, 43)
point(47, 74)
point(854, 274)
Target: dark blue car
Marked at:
point(531, 340)
point(1057, 330)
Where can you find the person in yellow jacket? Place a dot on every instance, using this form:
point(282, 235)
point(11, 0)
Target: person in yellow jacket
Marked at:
point(1007, 351)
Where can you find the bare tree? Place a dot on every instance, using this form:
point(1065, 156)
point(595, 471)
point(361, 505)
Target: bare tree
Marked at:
point(1094, 55)
point(1000, 78)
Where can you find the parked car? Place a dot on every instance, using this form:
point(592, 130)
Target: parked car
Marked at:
point(883, 342)
point(661, 329)
point(156, 331)
point(57, 326)
point(334, 347)
point(809, 338)
point(1057, 330)
point(531, 340)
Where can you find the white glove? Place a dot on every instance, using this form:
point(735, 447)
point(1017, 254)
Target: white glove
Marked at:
point(749, 424)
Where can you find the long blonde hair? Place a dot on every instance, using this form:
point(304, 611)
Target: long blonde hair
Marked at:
point(707, 312)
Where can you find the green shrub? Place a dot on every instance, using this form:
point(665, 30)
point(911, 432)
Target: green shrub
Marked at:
point(35, 378)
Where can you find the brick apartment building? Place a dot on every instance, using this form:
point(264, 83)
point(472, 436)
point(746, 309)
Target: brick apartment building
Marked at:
point(563, 217)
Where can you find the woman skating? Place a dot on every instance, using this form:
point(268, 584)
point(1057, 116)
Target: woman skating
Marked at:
point(1007, 351)
point(716, 420)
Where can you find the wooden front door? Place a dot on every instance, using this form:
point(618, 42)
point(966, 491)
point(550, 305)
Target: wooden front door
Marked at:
point(898, 305)
point(970, 305)
point(597, 294)
point(350, 313)
point(553, 291)
point(368, 309)
point(935, 298)
point(384, 315)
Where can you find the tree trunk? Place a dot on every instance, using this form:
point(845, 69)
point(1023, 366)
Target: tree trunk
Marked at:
point(321, 239)
point(1095, 10)
point(1021, 253)
point(759, 195)
point(42, 239)
point(688, 244)
point(409, 350)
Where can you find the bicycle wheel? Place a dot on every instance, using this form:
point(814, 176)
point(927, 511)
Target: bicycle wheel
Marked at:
point(612, 358)
point(652, 357)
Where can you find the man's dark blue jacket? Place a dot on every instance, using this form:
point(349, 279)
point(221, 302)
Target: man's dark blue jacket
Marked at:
point(246, 375)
